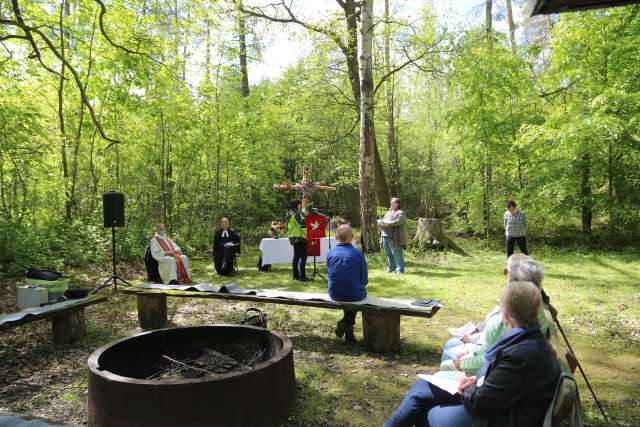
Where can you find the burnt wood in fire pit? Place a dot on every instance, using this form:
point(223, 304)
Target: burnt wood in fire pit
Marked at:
point(221, 375)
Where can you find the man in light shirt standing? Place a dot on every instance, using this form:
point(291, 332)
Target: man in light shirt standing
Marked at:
point(393, 227)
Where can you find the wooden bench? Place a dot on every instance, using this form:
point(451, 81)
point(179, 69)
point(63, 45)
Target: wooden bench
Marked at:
point(381, 325)
point(67, 318)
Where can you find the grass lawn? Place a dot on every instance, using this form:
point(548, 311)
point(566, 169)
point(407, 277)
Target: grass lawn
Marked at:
point(596, 293)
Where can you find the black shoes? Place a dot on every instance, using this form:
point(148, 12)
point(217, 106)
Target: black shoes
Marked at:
point(174, 282)
point(340, 328)
point(349, 337)
point(345, 331)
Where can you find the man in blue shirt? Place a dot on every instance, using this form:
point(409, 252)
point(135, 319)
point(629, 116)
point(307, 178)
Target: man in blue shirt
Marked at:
point(347, 271)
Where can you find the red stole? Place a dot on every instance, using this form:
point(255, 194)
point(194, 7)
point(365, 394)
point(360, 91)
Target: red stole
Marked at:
point(183, 277)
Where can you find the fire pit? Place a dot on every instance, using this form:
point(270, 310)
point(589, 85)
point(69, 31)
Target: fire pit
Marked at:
point(220, 375)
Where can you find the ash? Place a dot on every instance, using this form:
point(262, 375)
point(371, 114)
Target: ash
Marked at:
point(210, 364)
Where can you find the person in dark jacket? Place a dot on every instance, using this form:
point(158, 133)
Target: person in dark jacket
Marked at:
point(513, 388)
point(226, 244)
point(348, 278)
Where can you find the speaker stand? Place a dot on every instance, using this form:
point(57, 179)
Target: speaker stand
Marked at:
point(114, 277)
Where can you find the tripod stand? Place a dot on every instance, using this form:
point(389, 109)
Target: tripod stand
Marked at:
point(554, 315)
point(315, 265)
point(114, 277)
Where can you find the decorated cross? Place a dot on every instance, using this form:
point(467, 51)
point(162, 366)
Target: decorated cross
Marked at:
point(305, 186)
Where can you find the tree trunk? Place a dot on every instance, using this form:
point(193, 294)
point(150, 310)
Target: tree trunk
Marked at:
point(152, 311)
point(163, 170)
point(244, 72)
point(430, 234)
point(488, 19)
point(61, 123)
point(585, 194)
point(68, 327)
point(381, 331)
point(351, 54)
point(369, 240)
point(487, 173)
point(394, 167)
point(512, 27)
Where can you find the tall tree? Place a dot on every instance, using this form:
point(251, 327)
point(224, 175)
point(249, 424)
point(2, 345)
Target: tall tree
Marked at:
point(242, 52)
point(394, 166)
point(64, 11)
point(366, 168)
point(347, 42)
point(512, 26)
point(488, 16)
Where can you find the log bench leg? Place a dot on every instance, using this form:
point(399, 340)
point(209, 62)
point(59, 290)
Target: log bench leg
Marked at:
point(381, 331)
point(68, 327)
point(152, 311)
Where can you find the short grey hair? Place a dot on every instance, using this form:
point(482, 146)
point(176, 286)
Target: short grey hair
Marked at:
point(514, 260)
point(521, 301)
point(527, 270)
point(343, 233)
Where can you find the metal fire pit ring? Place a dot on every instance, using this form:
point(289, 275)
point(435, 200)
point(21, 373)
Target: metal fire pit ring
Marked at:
point(263, 396)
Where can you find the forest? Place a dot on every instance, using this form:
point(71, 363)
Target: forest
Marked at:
point(153, 99)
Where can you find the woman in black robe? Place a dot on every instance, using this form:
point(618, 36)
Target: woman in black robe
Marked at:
point(226, 245)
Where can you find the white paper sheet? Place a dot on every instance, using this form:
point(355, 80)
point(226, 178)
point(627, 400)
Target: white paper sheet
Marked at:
point(448, 385)
point(461, 331)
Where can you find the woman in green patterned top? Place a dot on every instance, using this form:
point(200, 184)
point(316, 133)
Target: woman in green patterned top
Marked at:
point(527, 270)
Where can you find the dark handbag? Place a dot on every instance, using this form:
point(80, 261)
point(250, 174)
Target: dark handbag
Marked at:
point(150, 263)
point(255, 317)
point(33, 273)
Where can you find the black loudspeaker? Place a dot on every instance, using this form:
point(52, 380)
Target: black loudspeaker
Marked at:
point(113, 209)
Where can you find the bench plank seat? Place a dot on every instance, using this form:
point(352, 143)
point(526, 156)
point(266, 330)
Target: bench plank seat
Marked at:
point(381, 325)
point(67, 318)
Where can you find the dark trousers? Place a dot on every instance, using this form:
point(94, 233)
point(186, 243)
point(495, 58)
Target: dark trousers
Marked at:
point(223, 260)
point(349, 318)
point(299, 263)
point(522, 244)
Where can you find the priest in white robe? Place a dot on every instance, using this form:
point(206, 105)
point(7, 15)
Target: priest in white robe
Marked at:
point(173, 266)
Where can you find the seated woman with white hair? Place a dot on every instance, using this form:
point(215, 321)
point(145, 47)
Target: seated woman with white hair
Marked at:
point(513, 387)
point(476, 339)
point(526, 270)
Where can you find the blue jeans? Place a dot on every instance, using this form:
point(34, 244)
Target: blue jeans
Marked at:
point(427, 405)
point(447, 355)
point(395, 259)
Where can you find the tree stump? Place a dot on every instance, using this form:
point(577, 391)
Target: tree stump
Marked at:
point(431, 235)
point(68, 327)
point(152, 311)
point(381, 331)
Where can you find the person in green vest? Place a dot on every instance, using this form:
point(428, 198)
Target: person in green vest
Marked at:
point(297, 230)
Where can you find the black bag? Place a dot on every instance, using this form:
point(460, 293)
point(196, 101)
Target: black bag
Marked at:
point(255, 317)
point(264, 268)
point(153, 275)
point(32, 273)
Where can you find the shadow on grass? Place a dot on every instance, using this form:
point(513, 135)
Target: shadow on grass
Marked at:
point(311, 407)
point(333, 345)
point(619, 270)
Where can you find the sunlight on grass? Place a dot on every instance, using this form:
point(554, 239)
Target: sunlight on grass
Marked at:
point(597, 295)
